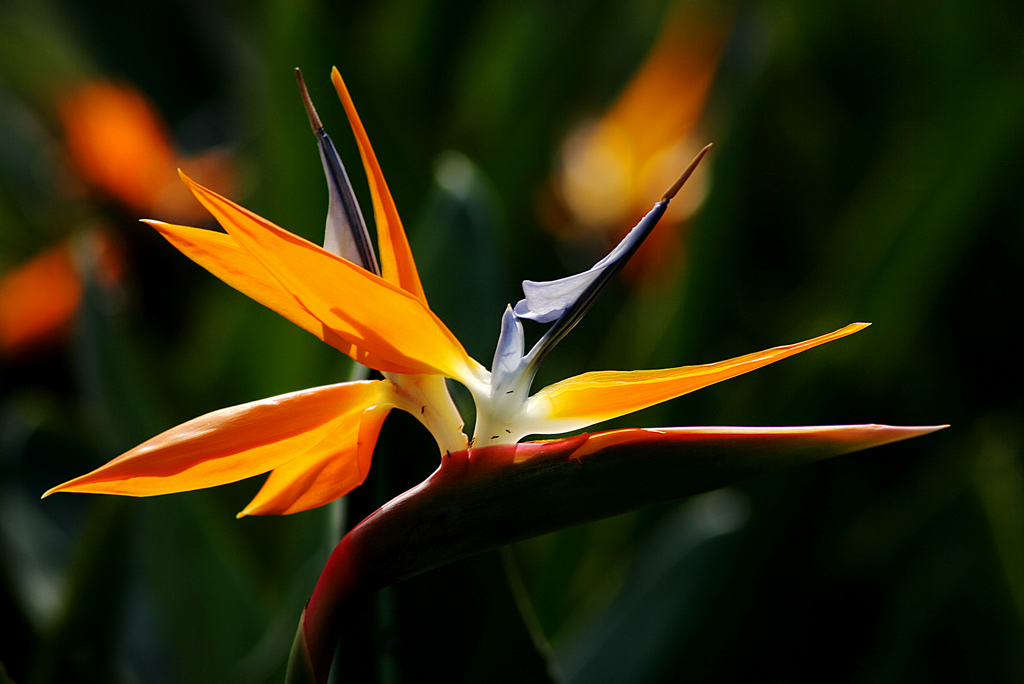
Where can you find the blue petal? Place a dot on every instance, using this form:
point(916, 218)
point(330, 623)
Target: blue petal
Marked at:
point(346, 233)
point(508, 355)
point(550, 300)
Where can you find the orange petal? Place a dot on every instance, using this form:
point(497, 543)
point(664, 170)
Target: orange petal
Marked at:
point(326, 472)
point(397, 265)
point(371, 313)
point(593, 397)
point(230, 444)
point(219, 254)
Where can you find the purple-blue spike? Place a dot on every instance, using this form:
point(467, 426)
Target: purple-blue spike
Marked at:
point(566, 300)
point(508, 354)
point(346, 234)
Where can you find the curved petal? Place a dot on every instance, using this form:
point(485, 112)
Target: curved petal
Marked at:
point(328, 471)
point(397, 264)
point(230, 444)
point(219, 254)
point(373, 314)
point(593, 397)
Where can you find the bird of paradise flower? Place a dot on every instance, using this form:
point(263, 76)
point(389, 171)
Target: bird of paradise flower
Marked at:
point(317, 443)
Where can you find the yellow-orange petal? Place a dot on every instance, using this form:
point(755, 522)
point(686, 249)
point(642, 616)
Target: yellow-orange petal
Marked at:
point(326, 472)
point(593, 397)
point(219, 254)
point(230, 444)
point(374, 315)
point(396, 262)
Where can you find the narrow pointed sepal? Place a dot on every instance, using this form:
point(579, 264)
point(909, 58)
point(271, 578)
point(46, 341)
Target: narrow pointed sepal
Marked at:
point(483, 498)
point(233, 443)
point(379, 319)
point(396, 262)
point(590, 398)
point(219, 254)
point(331, 469)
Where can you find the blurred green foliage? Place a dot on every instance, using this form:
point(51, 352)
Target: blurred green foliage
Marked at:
point(868, 165)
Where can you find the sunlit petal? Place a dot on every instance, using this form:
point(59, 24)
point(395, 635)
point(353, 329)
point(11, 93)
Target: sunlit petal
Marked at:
point(593, 397)
point(230, 444)
point(397, 264)
point(371, 313)
point(219, 254)
point(328, 471)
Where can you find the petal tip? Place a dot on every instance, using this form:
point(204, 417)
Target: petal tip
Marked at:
point(927, 429)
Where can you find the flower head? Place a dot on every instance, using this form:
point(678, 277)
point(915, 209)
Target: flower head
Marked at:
point(317, 444)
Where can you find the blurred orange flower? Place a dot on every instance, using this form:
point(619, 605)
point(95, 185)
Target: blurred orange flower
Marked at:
point(39, 298)
point(119, 143)
point(610, 167)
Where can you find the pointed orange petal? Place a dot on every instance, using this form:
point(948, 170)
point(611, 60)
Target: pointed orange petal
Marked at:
point(219, 254)
point(230, 444)
point(371, 313)
point(328, 471)
point(397, 265)
point(593, 397)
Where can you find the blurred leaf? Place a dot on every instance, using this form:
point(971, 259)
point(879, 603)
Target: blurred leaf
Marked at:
point(999, 479)
point(662, 600)
point(457, 247)
point(82, 645)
